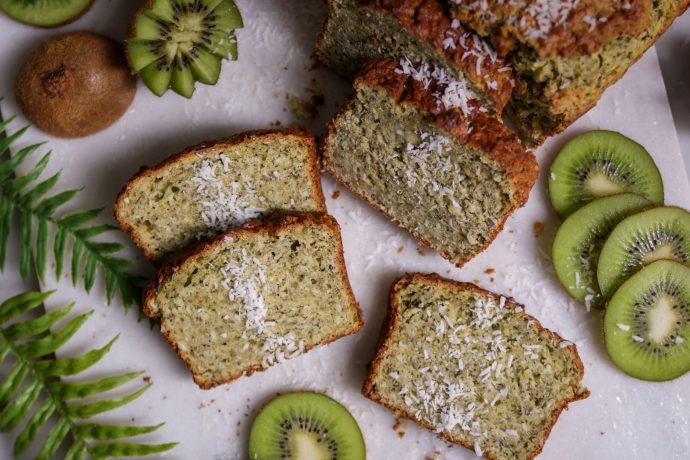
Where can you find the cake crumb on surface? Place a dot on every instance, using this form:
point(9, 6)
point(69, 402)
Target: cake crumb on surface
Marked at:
point(401, 249)
point(538, 228)
point(336, 194)
point(490, 271)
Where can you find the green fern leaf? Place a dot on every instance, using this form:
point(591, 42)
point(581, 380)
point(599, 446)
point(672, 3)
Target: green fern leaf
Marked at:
point(32, 394)
point(25, 197)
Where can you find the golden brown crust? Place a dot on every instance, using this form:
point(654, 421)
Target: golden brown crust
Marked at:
point(479, 129)
point(589, 25)
point(429, 20)
point(146, 172)
point(520, 165)
point(274, 225)
point(391, 323)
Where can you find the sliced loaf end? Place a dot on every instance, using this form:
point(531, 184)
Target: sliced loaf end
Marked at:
point(471, 366)
point(255, 296)
point(214, 186)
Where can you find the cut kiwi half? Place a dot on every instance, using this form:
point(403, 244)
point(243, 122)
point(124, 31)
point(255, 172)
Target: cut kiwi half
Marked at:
point(647, 322)
point(602, 163)
point(304, 425)
point(175, 43)
point(638, 240)
point(579, 240)
point(45, 13)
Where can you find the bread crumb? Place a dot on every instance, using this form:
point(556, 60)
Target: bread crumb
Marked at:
point(489, 271)
point(538, 228)
point(401, 434)
point(420, 251)
point(492, 279)
point(401, 249)
point(397, 425)
point(335, 194)
point(476, 281)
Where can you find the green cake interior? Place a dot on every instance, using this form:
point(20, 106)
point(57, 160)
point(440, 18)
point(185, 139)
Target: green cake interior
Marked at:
point(443, 191)
point(254, 300)
point(204, 194)
point(462, 363)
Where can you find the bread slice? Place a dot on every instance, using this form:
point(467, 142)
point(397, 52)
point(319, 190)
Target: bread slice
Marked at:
point(414, 143)
point(255, 297)
point(214, 186)
point(565, 58)
point(357, 31)
point(473, 367)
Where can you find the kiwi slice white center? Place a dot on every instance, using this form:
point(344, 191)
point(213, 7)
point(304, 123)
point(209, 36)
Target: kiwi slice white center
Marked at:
point(656, 234)
point(602, 163)
point(305, 426)
point(662, 318)
point(175, 43)
point(600, 184)
point(647, 322)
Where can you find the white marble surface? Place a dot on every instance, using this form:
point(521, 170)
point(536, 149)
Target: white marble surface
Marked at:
point(624, 418)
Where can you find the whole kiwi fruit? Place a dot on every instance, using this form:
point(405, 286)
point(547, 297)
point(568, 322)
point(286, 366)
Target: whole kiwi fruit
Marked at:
point(75, 84)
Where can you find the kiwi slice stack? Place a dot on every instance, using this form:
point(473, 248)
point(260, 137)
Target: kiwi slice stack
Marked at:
point(304, 425)
point(175, 43)
point(45, 13)
point(618, 249)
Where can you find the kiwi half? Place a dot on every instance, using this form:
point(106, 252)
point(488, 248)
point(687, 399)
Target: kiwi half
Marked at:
point(305, 425)
point(175, 43)
point(638, 240)
point(602, 163)
point(579, 240)
point(45, 13)
point(647, 322)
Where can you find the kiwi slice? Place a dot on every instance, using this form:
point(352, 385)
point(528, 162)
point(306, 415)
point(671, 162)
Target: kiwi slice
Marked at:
point(638, 240)
point(602, 163)
point(305, 425)
point(45, 13)
point(175, 43)
point(647, 322)
point(580, 238)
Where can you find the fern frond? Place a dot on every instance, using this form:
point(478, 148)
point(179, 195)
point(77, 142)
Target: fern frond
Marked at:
point(26, 198)
point(34, 382)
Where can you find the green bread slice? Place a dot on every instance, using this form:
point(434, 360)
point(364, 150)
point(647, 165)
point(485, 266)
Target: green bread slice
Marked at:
point(255, 297)
point(471, 366)
point(214, 186)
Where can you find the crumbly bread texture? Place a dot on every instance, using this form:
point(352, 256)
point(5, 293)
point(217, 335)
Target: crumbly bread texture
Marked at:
point(214, 186)
point(421, 30)
point(473, 367)
point(255, 297)
point(565, 54)
point(414, 143)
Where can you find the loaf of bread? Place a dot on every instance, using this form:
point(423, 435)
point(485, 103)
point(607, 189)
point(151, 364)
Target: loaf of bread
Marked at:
point(414, 142)
point(565, 53)
point(254, 297)
point(358, 30)
point(471, 366)
point(214, 186)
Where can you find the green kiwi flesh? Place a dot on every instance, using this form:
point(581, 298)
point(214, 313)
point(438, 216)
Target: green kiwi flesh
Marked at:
point(305, 425)
point(45, 13)
point(602, 163)
point(175, 43)
point(638, 240)
point(579, 240)
point(647, 322)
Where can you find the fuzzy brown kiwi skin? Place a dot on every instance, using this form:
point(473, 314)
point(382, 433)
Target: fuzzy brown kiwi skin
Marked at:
point(63, 23)
point(75, 84)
